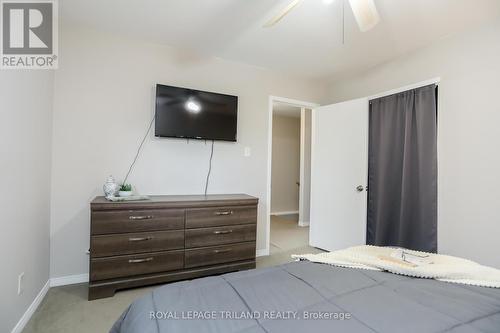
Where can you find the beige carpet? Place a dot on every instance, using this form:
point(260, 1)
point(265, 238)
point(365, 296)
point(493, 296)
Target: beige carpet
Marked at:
point(66, 309)
point(286, 234)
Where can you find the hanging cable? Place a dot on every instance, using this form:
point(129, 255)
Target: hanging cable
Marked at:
point(209, 167)
point(139, 149)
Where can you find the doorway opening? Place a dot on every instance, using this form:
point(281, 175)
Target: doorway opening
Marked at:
point(289, 175)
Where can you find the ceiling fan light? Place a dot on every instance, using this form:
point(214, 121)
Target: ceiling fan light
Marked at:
point(366, 14)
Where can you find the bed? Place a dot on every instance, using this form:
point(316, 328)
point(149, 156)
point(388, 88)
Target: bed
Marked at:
point(312, 297)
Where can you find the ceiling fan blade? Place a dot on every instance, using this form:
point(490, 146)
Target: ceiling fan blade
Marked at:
point(282, 14)
point(366, 14)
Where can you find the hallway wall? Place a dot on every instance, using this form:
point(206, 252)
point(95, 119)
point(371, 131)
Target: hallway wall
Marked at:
point(285, 164)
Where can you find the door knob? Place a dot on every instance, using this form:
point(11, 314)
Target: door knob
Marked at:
point(360, 188)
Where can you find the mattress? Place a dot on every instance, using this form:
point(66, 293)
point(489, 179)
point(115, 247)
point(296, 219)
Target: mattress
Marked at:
point(313, 297)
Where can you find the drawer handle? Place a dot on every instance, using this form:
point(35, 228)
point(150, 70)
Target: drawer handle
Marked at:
point(224, 213)
point(140, 239)
point(222, 232)
point(139, 218)
point(222, 251)
point(138, 261)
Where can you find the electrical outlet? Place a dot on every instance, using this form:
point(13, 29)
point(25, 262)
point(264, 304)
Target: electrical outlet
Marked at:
point(20, 283)
point(248, 151)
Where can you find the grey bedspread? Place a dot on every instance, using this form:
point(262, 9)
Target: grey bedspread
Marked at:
point(311, 297)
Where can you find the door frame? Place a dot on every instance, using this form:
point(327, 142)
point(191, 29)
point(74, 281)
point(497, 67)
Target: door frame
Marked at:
point(293, 102)
point(302, 176)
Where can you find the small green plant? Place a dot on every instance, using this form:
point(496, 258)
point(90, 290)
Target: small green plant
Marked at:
point(126, 187)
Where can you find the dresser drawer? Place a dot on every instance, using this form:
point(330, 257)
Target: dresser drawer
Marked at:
point(220, 235)
point(122, 266)
point(119, 221)
point(219, 254)
point(131, 243)
point(211, 217)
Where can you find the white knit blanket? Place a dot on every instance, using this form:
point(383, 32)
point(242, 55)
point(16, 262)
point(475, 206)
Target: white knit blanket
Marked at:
point(435, 266)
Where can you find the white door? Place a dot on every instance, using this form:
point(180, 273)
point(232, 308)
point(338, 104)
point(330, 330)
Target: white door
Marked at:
point(339, 175)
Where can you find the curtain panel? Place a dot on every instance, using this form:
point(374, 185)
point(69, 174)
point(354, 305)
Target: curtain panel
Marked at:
point(402, 170)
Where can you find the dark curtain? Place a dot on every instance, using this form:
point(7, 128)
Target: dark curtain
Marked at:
point(402, 170)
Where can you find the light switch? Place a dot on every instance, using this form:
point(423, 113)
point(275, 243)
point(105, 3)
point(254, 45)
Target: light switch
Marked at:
point(248, 151)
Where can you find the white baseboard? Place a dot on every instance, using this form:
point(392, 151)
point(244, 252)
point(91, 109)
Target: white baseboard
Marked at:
point(53, 282)
point(262, 252)
point(70, 279)
point(286, 213)
point(31, 309)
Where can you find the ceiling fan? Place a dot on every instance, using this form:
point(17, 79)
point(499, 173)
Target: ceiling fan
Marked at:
point(365, 12)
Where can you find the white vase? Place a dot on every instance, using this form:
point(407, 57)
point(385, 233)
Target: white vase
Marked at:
point(125, 193)
point(110, 187)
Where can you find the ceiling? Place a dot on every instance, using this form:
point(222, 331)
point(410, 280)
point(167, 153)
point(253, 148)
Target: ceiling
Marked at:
point(286, 110)
point(307, 43)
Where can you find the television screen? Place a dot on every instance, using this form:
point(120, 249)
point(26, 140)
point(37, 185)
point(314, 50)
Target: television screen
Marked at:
point(194, 114)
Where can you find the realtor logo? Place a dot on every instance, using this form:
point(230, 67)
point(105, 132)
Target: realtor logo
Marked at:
point(29, 34)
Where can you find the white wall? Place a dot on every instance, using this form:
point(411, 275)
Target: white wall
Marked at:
point(25, 129)
point(103, 103)
point(468, 133)
point(285, 164)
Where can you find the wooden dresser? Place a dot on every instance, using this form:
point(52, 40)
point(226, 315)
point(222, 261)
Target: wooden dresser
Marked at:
point(169, 238)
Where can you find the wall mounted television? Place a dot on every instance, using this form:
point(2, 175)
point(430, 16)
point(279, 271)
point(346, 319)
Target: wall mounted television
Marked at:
point(194, 114)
